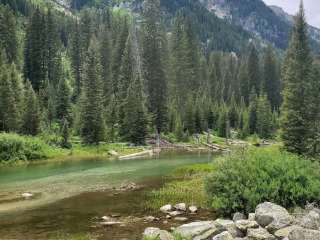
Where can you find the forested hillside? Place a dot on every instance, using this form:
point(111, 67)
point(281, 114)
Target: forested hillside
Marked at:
point(106, 74)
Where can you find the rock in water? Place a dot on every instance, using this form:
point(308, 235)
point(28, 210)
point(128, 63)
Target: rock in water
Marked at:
point(156, 233)
point(181, 207)
point(27, 195)
point(193, 209)
point(166, 208)
point(223, 236)
point(272, 216)
point(175, 213)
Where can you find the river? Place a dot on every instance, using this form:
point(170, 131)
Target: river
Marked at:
point(69, 196)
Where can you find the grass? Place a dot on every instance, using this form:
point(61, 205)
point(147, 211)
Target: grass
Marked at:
point(17, 149)
point(188, 189)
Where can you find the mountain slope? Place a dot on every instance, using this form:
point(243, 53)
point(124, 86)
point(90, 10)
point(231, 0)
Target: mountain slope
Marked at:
point(256, 17)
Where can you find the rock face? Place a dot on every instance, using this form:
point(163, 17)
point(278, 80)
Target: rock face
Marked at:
point(272, 216)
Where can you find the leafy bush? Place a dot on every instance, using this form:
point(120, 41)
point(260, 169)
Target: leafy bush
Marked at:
point(14, 147)
point(246, 178)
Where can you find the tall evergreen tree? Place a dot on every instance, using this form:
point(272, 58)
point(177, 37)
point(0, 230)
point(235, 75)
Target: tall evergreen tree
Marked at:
point(253, 65)
point(8, 36)
point(253, 118)
point(152, 65)
point(92, 121)
point(264, 117)
point(31, 114)
point(271, 78)
point(35, 51)
point(297, 105)
point(135, 119)
point(63, 101)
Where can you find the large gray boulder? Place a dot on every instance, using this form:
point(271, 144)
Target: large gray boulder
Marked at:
point(272, 216)
point(259, 234)
point(238, 216)
point(223, 236)
point(156, 233)
point(194, 229)
point(304, 234)
point(310, 220)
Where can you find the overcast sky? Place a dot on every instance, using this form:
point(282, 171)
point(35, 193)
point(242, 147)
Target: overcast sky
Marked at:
point(312, 8)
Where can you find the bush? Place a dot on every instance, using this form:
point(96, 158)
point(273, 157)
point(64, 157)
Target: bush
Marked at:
point(244, 179)
point(14, 147)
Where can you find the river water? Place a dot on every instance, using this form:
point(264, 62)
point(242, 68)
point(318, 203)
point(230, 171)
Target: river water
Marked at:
point(70, 196)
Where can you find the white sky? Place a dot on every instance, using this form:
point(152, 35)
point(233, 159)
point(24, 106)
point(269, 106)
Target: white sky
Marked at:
point(312, 8)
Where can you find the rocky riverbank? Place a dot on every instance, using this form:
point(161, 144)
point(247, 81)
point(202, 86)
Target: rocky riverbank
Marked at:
point(268, 222)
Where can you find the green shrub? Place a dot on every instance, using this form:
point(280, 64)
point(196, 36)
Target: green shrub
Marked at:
point(246, 178)
point(14, 147)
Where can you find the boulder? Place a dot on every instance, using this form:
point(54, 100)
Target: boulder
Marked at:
point(181, 219)
point(304, 234)
point(223, 236)
point(113, 153)
point(284, 232)
point(272, 216)
point(27, 195)
point(194, 229)
point(193, 209)
point(310, 221)
point(166, 208)
point(238, 216)
point(228, 225)
point(175, 213)
point(251, 216)
point(181, 207)
point(156, 233)
point(259, 234)
point(243, 225)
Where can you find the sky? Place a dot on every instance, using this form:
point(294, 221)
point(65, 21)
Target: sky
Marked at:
point(312, 8)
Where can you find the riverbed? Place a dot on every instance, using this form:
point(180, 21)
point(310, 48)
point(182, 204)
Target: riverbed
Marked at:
point(70, 197)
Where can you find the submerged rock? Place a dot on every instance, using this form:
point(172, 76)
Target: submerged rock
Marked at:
point(196, 228)
point(193, 209)
point(27, 195)
point(181, 219)
point(181, 207)
point(166, 208)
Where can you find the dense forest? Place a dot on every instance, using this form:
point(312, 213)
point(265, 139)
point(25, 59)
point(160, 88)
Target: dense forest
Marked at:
point(107, 75)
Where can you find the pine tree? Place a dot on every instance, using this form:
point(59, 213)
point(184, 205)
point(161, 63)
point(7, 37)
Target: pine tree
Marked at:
point(253, 112)
point(253, 70)
point(264, 117)
point(8, 37)
point(31, 115)
point(243, 78)
point(125, 78)
point(271, 79)
point(35, 51)
point(77, 59)
point(152, 65)
point(223, 123)
point(135, 119)
point(9, 107)
point(297, 105)
point(92, 121)
point(63, 101)
point(65, 134)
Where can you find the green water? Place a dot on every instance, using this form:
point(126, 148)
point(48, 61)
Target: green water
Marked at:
point(68, 195)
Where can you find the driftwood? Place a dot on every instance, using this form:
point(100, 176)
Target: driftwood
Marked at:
point(214, 147)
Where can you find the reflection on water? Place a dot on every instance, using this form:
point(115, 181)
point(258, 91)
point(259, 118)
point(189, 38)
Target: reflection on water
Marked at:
point(71, 194)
